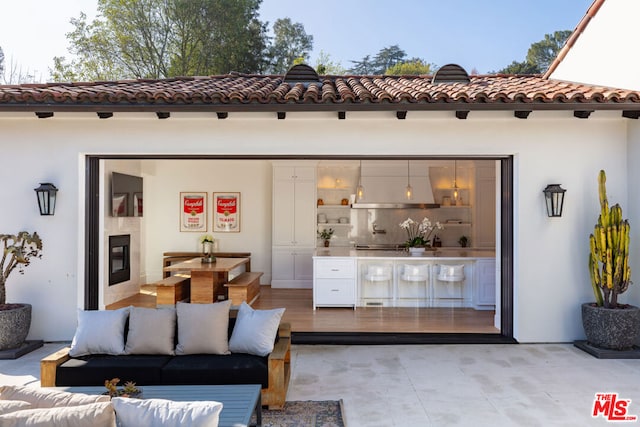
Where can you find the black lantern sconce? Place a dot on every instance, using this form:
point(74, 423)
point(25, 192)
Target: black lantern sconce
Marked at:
point(554, 196)
point(46, 198)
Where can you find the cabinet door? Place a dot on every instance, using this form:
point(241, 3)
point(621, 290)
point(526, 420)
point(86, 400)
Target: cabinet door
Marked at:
point(485, 293)
point(303, 264)
point(283, 212)
point(335, 292)
point(282, 264)
point(304, 212)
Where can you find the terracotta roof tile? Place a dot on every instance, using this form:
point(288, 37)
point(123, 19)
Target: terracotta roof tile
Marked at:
point(255, 92)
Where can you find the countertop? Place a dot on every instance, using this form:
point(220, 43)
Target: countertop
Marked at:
point(440, 253)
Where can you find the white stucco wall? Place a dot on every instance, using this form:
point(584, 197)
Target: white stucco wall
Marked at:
point(551, 278)
point(605, 53)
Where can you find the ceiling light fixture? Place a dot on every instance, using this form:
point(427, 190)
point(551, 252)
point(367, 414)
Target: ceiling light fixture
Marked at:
point(409, 189)
point(360, 188)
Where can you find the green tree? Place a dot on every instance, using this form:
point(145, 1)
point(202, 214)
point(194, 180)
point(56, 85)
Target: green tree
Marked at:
point(387, 57)
point(539, 56)
point(157, 39)
point(413, 67)
point(543, 53)
point(326, 66)
point(290, 42)
point(363, 67)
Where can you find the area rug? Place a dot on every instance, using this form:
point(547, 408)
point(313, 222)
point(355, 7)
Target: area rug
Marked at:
point(327, 413)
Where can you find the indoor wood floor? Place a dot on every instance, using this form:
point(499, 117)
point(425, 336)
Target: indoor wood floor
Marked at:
point(303, 318)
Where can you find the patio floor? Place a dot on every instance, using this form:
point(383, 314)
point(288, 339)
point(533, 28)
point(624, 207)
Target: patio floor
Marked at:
point(441, 385)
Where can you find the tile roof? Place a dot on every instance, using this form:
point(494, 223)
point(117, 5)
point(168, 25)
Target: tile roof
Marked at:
point(243, 92)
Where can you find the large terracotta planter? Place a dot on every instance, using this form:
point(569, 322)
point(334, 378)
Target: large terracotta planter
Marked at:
point(615, 329)
point(14, 325)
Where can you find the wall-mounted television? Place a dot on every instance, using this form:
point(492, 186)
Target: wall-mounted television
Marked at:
point(126, 195)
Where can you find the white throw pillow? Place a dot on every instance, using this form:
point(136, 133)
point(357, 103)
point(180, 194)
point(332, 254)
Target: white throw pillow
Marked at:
point(7, 406)
point(94, 415)
point(203, 328)
point(151, 331)
point(48, 398)
point(99, 332)
point(165, 413)
point(255, 330)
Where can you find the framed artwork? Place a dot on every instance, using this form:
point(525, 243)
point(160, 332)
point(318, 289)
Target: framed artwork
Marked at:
point(226, 212)
point(119, 203)
point(193, 211)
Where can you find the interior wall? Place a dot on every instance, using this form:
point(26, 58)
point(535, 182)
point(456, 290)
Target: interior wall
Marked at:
point(165, 179)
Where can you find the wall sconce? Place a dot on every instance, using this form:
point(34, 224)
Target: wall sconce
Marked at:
point(554, 197)
point(46, 198)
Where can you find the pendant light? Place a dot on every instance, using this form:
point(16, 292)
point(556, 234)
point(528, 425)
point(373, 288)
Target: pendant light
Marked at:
point(360, 188)
point(409, 189)
point(455, 181)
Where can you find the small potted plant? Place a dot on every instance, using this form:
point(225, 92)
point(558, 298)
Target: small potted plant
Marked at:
point(607, 323)
point(463, 241)
point(15, 319)
point(207, 242)
point(128, 390)
point(325, 235)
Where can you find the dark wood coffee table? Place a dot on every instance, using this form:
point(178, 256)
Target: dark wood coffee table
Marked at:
point(239, 402)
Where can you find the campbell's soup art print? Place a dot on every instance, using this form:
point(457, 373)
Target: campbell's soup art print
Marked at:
point(227, 217)
point(194, 212)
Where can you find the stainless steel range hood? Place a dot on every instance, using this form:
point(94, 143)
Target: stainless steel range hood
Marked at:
point(385, 182)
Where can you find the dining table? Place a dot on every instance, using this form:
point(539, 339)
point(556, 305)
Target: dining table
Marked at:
point(208, 278)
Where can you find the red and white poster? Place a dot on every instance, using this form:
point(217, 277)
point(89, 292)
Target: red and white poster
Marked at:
point(193, 211)
point(226, 212)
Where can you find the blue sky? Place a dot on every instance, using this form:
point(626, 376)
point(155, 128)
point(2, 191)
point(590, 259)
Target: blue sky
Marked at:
point(485, 35)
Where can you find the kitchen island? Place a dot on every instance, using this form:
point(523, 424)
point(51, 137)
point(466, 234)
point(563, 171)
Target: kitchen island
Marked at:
point(447, 277)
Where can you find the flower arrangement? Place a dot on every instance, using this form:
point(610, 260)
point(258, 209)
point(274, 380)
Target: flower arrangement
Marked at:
point(419, 232)
point(207, 241)
point(128, 390)
point(207, 238)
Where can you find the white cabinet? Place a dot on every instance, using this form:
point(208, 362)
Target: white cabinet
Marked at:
point(484, 293)
point(334, 282)
point(294, 225)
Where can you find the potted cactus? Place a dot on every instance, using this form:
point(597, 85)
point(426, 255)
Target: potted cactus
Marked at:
point(607, 323)
point(15, 319)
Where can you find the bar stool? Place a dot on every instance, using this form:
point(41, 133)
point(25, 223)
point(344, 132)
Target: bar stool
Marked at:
point(451, 273)
point(375, 277)
point(413, 284)
point(449, 289)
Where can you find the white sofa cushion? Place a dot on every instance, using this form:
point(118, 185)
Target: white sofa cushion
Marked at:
point(47, 398)
point(99, 332)
point(7, 406)
point(94, 414)
point(203, 328)
point(151, 331)
point(165, 413)
point(255, 330)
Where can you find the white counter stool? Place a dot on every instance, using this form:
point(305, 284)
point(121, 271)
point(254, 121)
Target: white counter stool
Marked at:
point(377, 284)
point(413, 286)
point(448, 290)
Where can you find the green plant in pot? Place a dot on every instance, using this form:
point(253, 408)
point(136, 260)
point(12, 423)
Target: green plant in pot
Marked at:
point(325, 235)
point(15, 319)
point(608, 323)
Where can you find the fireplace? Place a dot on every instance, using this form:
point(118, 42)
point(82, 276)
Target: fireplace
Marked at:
point(119, 259)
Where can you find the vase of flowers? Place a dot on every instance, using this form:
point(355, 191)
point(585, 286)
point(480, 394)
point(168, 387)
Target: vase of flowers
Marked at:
point(207, 242)
point(419, 234)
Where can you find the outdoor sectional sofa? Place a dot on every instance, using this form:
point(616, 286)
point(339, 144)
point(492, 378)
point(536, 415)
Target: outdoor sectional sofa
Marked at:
point(194, 363)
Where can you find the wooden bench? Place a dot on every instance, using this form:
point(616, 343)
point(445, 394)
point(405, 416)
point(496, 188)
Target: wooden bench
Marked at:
point(244, 287)
point(172, 289)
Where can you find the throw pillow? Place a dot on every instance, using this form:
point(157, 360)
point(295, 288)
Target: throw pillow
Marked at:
point(203, 328)
point(151, 331)
point(255, 330)
point(7, 406)
point(47, 398)
point(166, 413)
point(99, 332)
point(95, 415)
